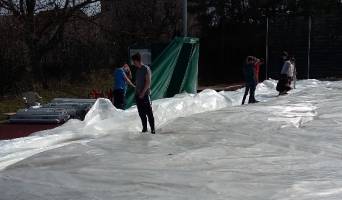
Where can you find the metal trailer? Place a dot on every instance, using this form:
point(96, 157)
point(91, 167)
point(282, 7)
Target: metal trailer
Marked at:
point(58, 111)
point(40, 115)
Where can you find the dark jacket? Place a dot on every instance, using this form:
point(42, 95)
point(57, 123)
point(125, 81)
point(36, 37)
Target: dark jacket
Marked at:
point(249, 73)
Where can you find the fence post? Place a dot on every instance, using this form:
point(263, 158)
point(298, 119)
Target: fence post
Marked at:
point(309, 46)
point(185, 18)
point(267, 46)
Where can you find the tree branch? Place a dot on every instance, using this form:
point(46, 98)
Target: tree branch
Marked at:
point(10, 6)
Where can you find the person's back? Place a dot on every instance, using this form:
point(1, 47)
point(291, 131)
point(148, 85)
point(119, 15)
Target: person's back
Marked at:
point(287, 69)
point(286, 75)
point(249, 73)
point(120, 87)
point(119, 78)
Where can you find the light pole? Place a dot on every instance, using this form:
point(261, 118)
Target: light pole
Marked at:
point(267, 47)
point(309, 46)
point(185, 18)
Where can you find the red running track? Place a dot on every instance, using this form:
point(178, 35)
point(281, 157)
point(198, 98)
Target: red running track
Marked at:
point(12, 131)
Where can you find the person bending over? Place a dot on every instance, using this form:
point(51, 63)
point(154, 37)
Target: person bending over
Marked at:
point(122, 77)
point(286, 75)
point(142, 93)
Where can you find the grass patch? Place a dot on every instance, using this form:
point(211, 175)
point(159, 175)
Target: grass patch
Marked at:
point(101, 80)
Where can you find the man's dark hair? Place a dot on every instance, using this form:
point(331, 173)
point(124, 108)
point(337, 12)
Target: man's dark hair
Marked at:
point(250, 58)
point(285, 54)
point(122, 63)
point(136, 57)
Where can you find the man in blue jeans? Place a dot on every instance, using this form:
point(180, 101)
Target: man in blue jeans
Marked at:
point(122, 76)
point(142, 93)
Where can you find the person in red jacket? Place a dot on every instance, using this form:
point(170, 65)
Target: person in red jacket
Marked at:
point(257, 65)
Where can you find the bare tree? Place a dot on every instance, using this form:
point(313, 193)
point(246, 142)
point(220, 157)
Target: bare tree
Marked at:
point(42, 24)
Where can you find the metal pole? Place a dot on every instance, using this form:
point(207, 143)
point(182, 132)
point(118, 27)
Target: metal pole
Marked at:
point(267, 46)
point(309, 46)
point(185, 18)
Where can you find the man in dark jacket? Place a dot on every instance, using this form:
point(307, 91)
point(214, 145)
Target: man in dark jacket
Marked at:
point(251, 80)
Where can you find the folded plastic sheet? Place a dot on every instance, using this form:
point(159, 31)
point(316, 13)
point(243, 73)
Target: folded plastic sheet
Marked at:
point(283, 148)
point(105, 119)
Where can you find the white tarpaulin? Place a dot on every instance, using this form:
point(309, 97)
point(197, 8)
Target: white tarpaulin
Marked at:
point(207, 147)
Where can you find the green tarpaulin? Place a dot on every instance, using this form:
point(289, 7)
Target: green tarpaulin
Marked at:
point(174, 71)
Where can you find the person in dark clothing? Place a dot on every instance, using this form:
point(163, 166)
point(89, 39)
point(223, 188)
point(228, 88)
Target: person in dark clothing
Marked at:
point(143, 92)
point(251, 80)
point(294, 73)
point(122, 77)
